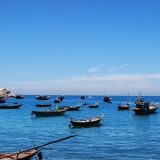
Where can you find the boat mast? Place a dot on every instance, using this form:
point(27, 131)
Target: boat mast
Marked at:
point(128, 97)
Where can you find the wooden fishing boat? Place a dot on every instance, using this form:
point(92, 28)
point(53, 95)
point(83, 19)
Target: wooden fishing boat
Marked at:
point(82, 97)
point(47, 113)
point(73, 108)
point(44, 105)
point(60, 98)
point(24, 155)
point(18, 96)
point(145, 107)
point(106, 99)
point(123, 106)
point(28, 154)
point(43, 97)
point(86, 122)
point(70, 108)
point(95, 105)
point(11, 106)
point(57, 100)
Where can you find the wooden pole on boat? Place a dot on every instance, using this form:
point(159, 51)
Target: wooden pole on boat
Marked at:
point(37, 147)
point(55, 141)
point(128, 97)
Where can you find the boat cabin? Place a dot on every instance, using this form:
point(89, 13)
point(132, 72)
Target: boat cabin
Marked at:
point(139, 99)
point(143, 105)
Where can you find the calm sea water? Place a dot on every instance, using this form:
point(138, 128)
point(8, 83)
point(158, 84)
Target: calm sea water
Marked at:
point(121, 135)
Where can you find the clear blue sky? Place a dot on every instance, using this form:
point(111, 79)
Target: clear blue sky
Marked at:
point(91, 47)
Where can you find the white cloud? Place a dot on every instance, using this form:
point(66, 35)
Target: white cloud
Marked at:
point(113, 78)
point(112, 69)
point(95, 69)
point(110, 84)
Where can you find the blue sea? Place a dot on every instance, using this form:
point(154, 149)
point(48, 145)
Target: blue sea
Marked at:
point(121, 135)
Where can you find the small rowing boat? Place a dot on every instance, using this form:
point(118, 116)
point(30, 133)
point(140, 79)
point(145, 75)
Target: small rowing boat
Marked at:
point(47, 113)
point(10, 106)
point(123, 106)
point(29, 153)
point(86, 122)
point(95, 105)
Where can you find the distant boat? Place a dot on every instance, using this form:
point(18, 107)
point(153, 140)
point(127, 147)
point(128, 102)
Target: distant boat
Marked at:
point(43, 104)
point(18, 96)
point(57, 100)
point(60, 98)
point(145, 107)
point(71, 108)
point(95, 105)
point(43, 97)
point(46, 113)
point(82, 97)
point(10, 106)
point(123, 106)
point(106, 99)
point(86, 122)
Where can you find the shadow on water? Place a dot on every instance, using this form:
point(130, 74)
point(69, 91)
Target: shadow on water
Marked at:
point(38, 117)
point(147, 114)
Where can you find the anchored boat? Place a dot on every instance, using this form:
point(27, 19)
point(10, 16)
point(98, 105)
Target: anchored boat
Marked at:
point(145, 107)
point(87, 122)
